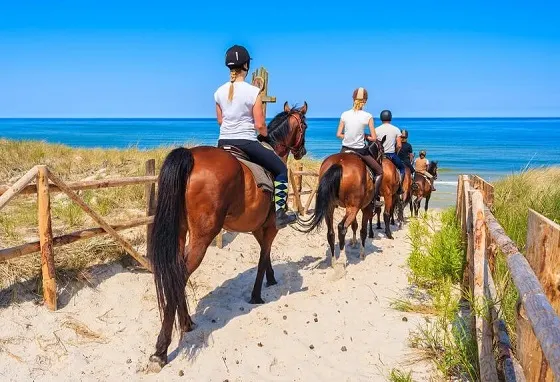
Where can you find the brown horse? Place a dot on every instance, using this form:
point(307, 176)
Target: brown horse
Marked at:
point(422, 187)
point(406, 197)
point(200, 191)
point(389, 188)
point(344, 182)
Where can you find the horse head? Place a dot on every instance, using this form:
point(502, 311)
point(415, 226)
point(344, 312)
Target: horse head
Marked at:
point(376, 149)
point(287, 131)
point(432, 169)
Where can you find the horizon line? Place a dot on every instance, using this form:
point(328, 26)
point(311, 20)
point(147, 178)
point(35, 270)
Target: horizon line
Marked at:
point(314, 117)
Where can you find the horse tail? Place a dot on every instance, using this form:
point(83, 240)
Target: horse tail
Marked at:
point(167, 261)
point(327, 193)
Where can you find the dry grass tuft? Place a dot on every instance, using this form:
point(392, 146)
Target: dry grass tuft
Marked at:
point(83, 332)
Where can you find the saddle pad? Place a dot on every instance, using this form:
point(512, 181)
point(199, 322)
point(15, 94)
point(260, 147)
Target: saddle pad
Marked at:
point(262, 177)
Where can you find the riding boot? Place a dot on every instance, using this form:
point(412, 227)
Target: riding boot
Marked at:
point(376, 195)
point(283, 218)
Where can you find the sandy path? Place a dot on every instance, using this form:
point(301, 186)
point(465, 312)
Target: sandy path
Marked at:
point(312, 328)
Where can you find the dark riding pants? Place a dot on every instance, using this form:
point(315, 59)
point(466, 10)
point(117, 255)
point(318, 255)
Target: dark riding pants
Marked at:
point(370, 161)
point(260, 155)
point(410, 166)
point(396, 161)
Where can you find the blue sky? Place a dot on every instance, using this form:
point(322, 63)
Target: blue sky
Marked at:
point(165, 59)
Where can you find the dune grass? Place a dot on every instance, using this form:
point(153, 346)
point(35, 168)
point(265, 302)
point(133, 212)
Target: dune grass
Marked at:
point(436, 264)
point(538, 189)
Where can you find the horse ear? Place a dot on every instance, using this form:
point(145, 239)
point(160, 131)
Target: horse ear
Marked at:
point(287, 107)
point(384, 139)
point(303, 110)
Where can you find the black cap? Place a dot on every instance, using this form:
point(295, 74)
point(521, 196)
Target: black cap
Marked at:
point(386, 115)
point(237, 56)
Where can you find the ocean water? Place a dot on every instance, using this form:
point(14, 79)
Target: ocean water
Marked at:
point(489, 147)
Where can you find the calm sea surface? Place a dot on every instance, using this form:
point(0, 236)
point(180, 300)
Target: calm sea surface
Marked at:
point(491, 147)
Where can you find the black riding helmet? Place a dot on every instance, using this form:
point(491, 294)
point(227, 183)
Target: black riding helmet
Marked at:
point(386, 116)
point(237, 56)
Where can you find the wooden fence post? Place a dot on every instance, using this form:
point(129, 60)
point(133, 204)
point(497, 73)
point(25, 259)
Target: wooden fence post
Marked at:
point(45, 238)
point(543, 255)
point(484, 330)
point(150, 195)
point(299, 177)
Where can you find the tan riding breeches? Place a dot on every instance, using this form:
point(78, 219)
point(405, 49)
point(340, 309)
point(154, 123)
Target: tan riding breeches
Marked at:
point(426, 174)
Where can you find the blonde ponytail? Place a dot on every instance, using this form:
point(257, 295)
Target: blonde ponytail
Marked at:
point(233, 74)
point(358, 104)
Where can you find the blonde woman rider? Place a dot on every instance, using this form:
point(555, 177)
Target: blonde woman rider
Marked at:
point(351, 129)
point(240, 115)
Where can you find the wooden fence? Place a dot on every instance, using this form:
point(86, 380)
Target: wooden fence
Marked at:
point(536, 276)
point(47, 183)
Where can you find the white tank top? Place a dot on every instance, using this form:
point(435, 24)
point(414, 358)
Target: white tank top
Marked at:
point(355, 122)
point(237, 122)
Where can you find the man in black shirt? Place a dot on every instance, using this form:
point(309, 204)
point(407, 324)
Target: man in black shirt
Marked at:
point(405, 153)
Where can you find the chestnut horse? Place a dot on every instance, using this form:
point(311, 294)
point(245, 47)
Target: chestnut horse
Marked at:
point(422, 187)
point(406, 197)
point(344, 182)
point(389, 188)
point(200, 191)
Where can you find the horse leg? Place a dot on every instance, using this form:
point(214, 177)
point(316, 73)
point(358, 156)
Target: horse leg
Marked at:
point(367, 214)
point(270, 279)
point(378, 212)
point(354, 241)
point(348, 219)
point(387, 215)
point(370, 226)
point(265, 236)
point(193, 256)
point(427, 201)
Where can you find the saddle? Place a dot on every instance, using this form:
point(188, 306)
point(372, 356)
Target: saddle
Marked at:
point(263, 178)
point(369, 170)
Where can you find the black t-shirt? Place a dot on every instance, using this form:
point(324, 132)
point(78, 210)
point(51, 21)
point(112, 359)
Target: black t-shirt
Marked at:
point(406, 150)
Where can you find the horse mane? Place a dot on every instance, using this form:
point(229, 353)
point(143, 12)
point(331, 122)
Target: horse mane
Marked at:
point(279, 127)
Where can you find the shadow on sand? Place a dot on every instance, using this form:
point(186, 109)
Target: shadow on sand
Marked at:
point(230, 300)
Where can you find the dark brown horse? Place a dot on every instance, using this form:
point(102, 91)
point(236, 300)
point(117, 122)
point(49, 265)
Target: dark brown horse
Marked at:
point(406, 197)
point(422, 188)
point(200, 191)
point(389, 188)
point(344, 182)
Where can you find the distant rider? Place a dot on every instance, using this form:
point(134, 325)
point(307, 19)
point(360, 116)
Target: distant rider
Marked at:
point(240, 114)
point(392, 143)
point(351, 130)
point(405, 153)
point(421, 166)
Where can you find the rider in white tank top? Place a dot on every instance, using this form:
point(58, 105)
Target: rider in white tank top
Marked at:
point(237, 122)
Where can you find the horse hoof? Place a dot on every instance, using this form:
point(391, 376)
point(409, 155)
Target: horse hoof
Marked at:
point(156, 363)
point(270, 283)
point(256, 300)
point(390, 237)
point(362, 255)
point(379, 227)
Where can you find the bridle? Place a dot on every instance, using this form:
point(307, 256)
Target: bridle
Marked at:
point(299, 145)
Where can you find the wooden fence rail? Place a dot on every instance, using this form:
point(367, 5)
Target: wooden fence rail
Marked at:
point(47, 182)
point(536, 276)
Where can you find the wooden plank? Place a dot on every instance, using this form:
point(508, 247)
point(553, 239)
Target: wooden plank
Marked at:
point(537, 310)
point(85, 184)
point(305, 173)
point(150, 196)
point(45, 238)
point(508, 366)
point(543, 255)
point(10, 191)
point(308, 203)
point(299, 177)
point(27, 248)
point(99, 220)
point(297, 199)
point(486, 360)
